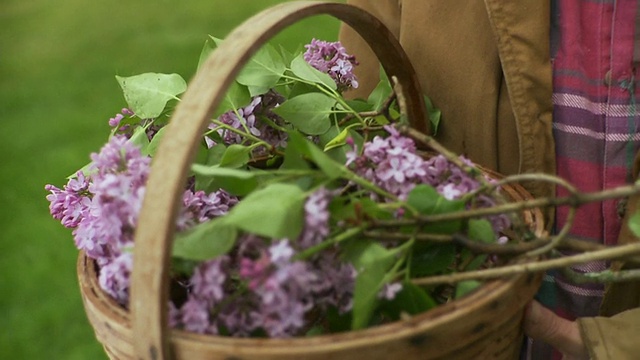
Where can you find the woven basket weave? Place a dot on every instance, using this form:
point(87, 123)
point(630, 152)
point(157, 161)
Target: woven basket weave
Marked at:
point(483, 325)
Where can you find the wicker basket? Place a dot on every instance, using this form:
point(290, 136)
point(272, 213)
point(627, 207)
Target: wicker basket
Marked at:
point(483, 325)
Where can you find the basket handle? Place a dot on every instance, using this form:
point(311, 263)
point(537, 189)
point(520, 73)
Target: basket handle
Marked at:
point(156, 224)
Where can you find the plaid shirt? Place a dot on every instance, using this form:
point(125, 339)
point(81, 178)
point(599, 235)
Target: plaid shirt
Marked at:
point(595, 129)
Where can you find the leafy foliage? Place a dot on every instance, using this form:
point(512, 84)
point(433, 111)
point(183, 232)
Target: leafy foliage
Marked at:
point(277, 183)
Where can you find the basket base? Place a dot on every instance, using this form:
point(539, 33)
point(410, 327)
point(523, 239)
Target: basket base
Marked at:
point(482, 325)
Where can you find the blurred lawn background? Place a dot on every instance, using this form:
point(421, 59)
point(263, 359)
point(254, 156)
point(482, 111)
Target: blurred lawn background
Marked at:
point(58, 61)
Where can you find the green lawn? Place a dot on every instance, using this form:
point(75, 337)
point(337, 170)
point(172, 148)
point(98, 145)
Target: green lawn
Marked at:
point(58, 60)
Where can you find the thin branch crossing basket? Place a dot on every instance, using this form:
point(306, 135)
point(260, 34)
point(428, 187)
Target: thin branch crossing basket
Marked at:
point(482, 325)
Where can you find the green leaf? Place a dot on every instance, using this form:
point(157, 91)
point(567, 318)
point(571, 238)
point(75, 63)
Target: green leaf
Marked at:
point(465, 287)
point(430, 259)
point(434, 115)
point(205, 241)
point(287, 56)
point(303, 70)
point(381, 92)
point(139, 138)
point(263, 71)
point(347, 208)
point(476, 262)
point(428, 201)
point(299, 88)
point(412, 300)
point(481, 230)
point(235, 156)
point(478, 230)
point(340, 139)
point(309, 112)
point(147, 94)
point(207, 156)
point(634, 223)
point(329, 167)
point(338, 322)
point(237, 96)
point(275, 211)
point(208, 47)
point(235, 181)
point(293, 160)
point(155, 142)
point(372, 262)
point(359, 105)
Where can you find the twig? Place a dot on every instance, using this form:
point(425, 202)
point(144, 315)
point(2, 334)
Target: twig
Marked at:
point(610, 253)
point(554, 241)
point(396, 236)
point(574, 200)
point(384, 111)
point(602, 277)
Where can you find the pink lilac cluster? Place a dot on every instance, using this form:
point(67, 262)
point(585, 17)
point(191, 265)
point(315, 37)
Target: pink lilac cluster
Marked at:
point(127, 129)
point(393, 164)
point(117, 119)
point(260, 286)
point(255, 119)
point(332, 58)
point(101, 205)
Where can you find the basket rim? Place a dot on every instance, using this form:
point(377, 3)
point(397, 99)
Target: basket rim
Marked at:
point(488, 292)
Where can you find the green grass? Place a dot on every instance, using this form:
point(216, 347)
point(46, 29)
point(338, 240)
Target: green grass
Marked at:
point(58, 60)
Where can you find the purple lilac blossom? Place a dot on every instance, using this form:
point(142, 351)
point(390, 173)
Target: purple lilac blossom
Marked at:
point(393, 164)
point(195, 316)
point(69, 204)
point(280, 291)
point(115, 277)
point(316, 212)
point(206, 288)
point(332, 58)
point(251, 118)
point(199, 207)
point(114, 122)
point(281, 286)
point(102, 206)
point(390, 290)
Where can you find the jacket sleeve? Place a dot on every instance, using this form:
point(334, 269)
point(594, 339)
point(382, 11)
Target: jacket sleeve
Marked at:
point(612, 338)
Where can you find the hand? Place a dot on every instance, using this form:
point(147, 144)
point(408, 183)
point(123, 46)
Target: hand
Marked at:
point(544, 325)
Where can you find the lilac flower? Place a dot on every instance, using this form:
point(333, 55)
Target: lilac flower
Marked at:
point(115, 277)
point(280, 252)
point(119, 155)
point(115, 121)
point(208, 280)
point(71, 203)
point(241, 318)
point(392, 163)
point(175, 316)
point(195, 316)
point(335, 281)
point(282, 289)
point(390, 290)
point(332, 58)
point(250, 118)
point(199, 207)
point(316, 210)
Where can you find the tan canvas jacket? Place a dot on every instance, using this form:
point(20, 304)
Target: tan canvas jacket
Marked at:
point(486, 65)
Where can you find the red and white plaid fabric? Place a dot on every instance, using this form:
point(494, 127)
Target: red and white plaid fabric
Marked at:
point(595, 126)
